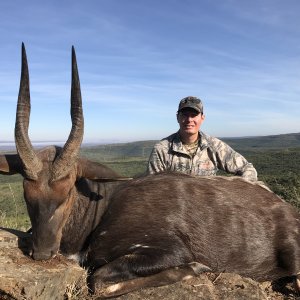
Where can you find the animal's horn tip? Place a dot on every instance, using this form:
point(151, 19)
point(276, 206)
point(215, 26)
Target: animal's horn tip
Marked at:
point(73, 55)
point(24, 52)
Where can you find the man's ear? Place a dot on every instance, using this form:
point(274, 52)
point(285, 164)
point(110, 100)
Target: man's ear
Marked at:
point(202, 119)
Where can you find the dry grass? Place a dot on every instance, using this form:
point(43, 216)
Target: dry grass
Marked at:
point(77, 290)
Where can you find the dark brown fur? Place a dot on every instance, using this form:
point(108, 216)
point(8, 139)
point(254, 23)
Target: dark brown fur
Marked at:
point(169, 220)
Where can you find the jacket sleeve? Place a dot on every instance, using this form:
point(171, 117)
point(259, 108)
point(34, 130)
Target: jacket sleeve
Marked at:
point(234, 163)
point(156, 163)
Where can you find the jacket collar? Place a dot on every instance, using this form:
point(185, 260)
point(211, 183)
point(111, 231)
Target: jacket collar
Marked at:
point(177, 145)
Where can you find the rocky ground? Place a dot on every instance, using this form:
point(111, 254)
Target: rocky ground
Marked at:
point(62, 279)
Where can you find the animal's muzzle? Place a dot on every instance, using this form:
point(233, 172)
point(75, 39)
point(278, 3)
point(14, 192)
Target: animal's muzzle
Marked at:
point(45, 255)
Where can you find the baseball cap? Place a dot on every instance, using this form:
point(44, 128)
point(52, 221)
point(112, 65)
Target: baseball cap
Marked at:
point(191, 102)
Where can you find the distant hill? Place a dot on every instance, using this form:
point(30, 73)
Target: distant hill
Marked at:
point(140, 149)
point(143, 148)
point(281, 141)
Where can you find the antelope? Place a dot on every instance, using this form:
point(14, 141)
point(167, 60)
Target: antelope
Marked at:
point(152, 230)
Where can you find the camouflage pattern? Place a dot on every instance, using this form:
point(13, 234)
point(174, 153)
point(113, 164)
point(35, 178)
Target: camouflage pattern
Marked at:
point(212, 155)
point(191, 102)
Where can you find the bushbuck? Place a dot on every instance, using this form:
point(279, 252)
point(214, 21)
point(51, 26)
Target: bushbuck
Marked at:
point(149, 231)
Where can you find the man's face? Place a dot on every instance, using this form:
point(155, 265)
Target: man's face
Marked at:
point(189, 121)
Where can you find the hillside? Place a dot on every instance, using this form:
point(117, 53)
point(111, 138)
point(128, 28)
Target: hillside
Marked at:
point(281, 141)
point(110, 152)
point(143, 148)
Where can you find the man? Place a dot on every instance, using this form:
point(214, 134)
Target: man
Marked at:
point(191, 151)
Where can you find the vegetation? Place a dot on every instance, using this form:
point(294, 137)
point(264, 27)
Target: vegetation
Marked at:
point(13, 213)
point(277, 162)
point(280, 170)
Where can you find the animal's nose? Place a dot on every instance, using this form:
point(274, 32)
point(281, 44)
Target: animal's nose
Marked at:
point(41, 255)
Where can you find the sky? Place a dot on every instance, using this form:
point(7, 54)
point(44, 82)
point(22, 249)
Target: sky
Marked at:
point(138, 58)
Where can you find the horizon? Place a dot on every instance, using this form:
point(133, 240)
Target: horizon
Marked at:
point(40, 143)
point(136, 60)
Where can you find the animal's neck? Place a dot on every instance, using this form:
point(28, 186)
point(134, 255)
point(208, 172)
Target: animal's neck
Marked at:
point(88, 209)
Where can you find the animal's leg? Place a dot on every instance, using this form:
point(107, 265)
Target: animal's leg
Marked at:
point(101, 287)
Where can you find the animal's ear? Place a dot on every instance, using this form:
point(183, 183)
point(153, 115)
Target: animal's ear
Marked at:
point(97, 172)
point(10, 164)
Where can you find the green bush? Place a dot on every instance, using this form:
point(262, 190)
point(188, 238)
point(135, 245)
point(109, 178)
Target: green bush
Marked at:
point(287, 187)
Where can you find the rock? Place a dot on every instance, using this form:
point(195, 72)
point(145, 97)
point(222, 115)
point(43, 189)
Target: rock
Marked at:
point(23, 278)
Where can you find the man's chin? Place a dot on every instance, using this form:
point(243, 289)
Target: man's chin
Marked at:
point(190, 131)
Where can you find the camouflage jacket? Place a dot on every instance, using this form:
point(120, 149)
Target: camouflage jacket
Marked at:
point(212, 155)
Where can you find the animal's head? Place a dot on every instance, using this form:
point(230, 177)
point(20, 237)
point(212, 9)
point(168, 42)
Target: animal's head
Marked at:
point(50, 174)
